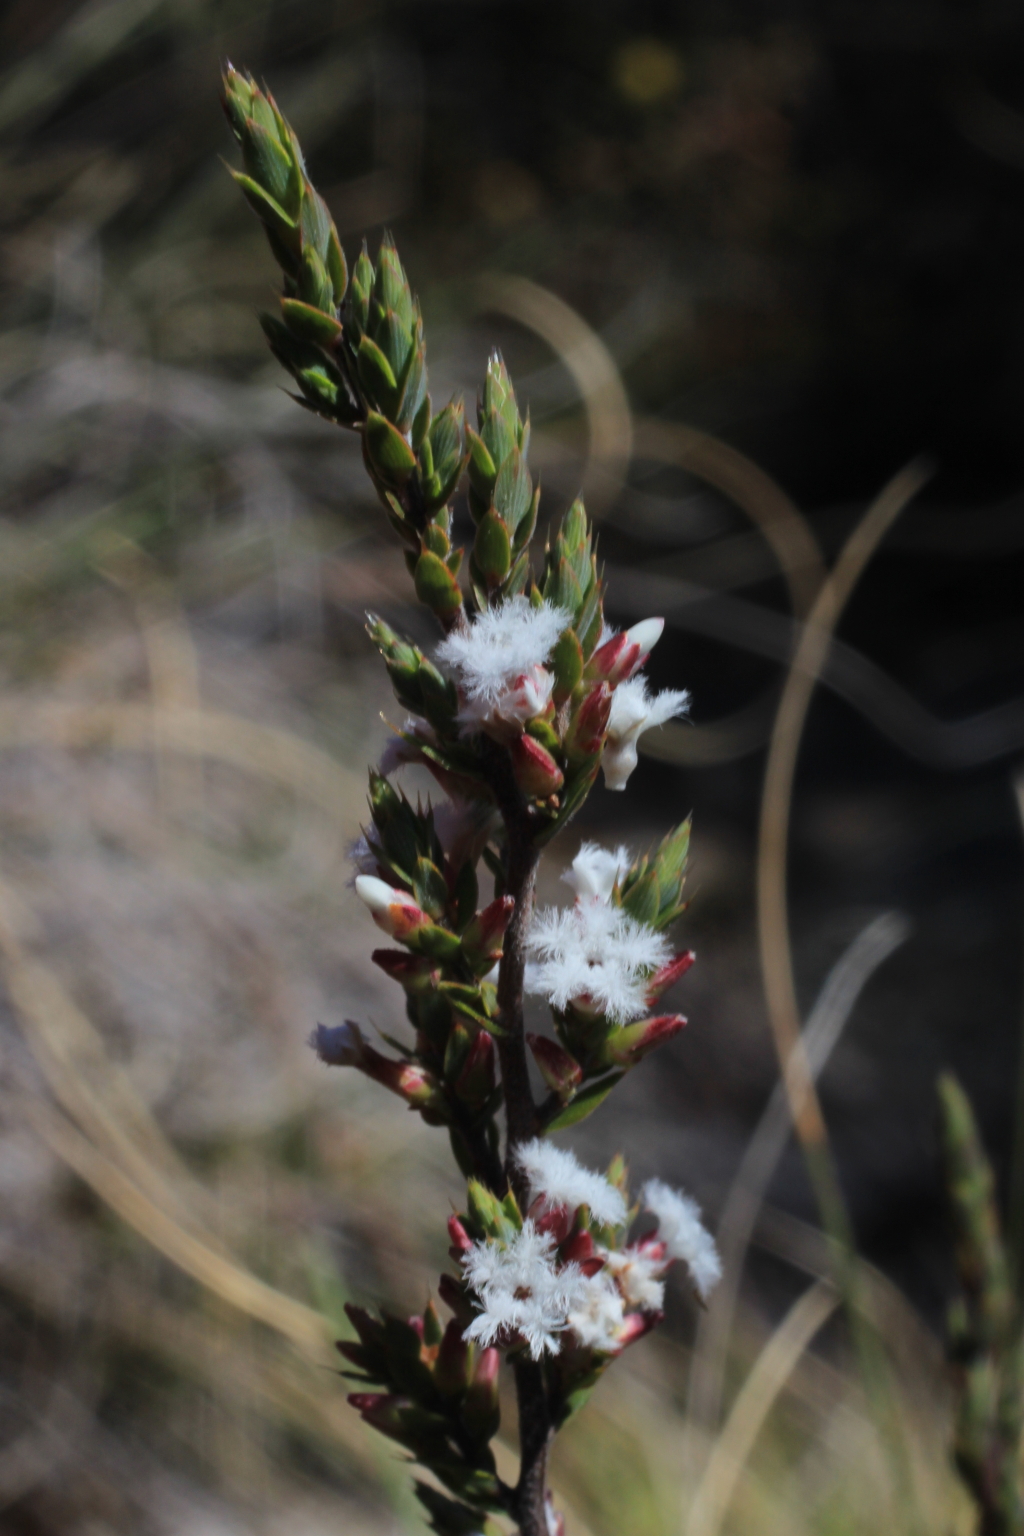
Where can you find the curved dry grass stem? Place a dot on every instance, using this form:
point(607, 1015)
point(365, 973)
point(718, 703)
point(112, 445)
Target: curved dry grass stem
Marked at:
point(592, 367)
point(792, 542)
point(300, 1324)
point(772, 1369)
point(772, 911)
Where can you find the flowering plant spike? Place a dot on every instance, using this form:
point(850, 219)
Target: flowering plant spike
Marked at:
point(526, 697)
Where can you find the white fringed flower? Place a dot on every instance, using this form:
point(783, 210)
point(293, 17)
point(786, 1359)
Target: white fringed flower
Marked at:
point(684, 1234)
point(595, 956)
point(597, 1318)
point(521, 1291)
point(635, 710)
point(499, 662)
point(363, 857)
point(595, 871)
point(638, 1277)
point(555, 1176)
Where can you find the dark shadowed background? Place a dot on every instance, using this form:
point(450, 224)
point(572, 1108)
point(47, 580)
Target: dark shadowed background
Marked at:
point(746, 264)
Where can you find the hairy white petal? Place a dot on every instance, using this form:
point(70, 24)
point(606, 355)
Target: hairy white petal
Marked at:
point(598, 1315)
point(502, 644)
point(635, 710)
point(521, 1291)
point(595, 955)
point(684, 1234)
point(638, 1277)
point(554, 1174)
point(595, 871)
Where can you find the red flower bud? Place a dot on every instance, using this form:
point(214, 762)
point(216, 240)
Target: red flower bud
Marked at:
point(625, 1047)
point(588, 725)
point(484, 934)
point(623, 655)
point(461, 1239)
point(475, 1083)
point(669, 974)
point(562, 1073)
point(416, 973)
point(536, 772)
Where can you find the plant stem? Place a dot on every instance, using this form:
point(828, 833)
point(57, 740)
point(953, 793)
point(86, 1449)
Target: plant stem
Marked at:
point(521, 1124)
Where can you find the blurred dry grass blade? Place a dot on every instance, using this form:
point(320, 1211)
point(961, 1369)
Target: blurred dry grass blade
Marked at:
point(592, 367)
point(773, 920)
point(791, 540)
point(743, 1203)
point(753, 1404)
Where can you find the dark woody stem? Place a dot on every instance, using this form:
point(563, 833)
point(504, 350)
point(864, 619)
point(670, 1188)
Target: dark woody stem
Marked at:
point(535, 1427)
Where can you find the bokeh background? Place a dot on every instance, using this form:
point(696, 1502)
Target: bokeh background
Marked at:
point(747, 264)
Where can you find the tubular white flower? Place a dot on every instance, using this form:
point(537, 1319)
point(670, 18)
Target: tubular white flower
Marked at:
point(389, 907)
point(555, 1176)
point(646, 635)
point(684, 1234)
point(595, 956)
point(638, 1277)
point(521, 1291)
point(499, 662)
point(598, 1317)
point(595, 870)
point(634, 711)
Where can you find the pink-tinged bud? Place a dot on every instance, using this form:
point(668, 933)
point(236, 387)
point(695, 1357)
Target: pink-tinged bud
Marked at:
point(417, 1326)
point(367, 1402)
point(622, 655)
point(668, 975)
point(485, 933)
point(625, 1047)
point(560, 1071)
point(645, 637)
point(461, 1240)
point(344, 1046)
point(587, 727)
point(454, 1362)
point(636, 1324)
point(475, 1083)
point(480, 1411)
point(536, 772)
point(392, 910)
point(416, 973)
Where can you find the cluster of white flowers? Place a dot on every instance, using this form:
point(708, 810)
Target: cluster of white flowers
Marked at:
point(684, 1234)
point(556, 1179)
point(522, 1291)
point(594, 955)
point(635, 710)
point(498, 663)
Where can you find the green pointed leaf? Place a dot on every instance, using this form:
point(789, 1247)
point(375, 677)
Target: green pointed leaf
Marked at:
point(435, 584)
point(387, 448)
point(584, 1103)
point(492, 549)
point(310, 324)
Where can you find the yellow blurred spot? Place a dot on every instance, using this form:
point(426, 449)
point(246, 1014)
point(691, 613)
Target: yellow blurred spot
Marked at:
point(646, 71)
